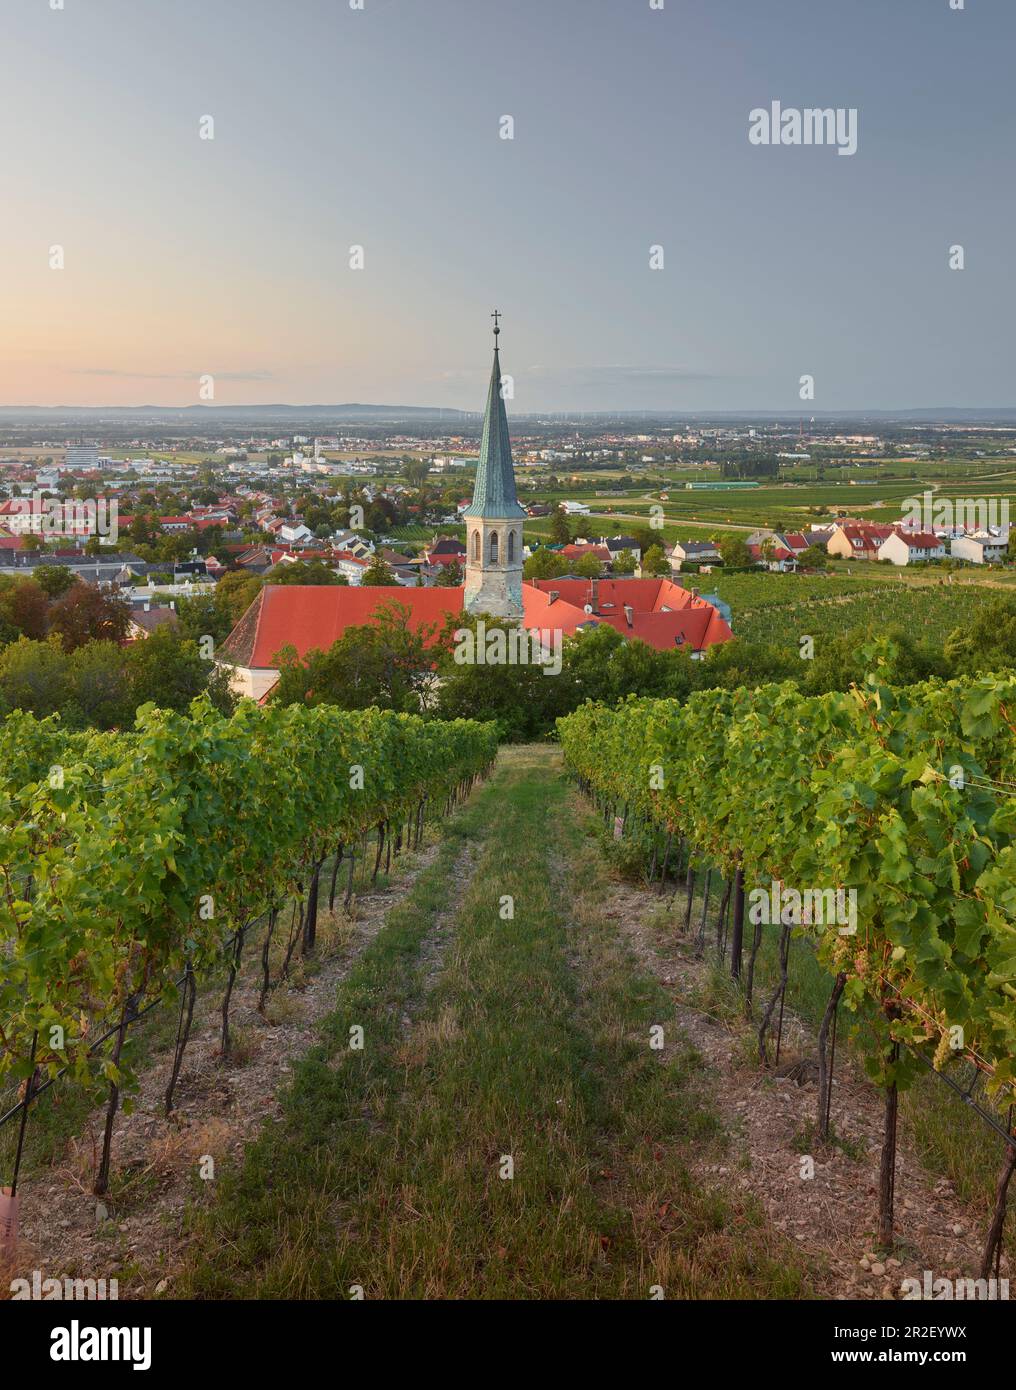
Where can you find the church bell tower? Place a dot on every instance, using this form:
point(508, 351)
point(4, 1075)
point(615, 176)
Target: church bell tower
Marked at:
point(494, 518)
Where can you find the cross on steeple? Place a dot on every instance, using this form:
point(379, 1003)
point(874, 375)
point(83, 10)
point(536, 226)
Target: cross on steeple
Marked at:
point(495, 316)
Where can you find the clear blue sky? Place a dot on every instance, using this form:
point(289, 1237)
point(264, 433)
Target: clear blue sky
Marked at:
point(336, 127)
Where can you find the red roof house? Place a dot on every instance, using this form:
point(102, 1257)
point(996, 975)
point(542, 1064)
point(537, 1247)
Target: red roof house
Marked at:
point(312, 617)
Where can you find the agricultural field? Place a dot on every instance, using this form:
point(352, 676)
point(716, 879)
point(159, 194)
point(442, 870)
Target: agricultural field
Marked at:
point(930, 614)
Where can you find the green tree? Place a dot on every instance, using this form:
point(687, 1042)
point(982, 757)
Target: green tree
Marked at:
point(545, 564)
point(378, 573)
point(624, 562)
point(450, 576)
point(167, 669)
point(384, 663)
point(560, 531)
point(305, 572)
point(987, 642)
point(235, 592)
point(54, 579)
point(34, 677)
point(590, 566)
point(654, 562)
point(735, 553)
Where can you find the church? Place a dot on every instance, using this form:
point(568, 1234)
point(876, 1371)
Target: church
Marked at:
point(309, 617)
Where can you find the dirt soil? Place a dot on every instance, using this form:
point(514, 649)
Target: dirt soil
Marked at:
point(831, 1216)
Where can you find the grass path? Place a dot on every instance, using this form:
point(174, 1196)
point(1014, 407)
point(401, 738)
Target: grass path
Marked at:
point(506, 1130)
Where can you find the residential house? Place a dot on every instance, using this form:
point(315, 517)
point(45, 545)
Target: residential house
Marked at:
point(911, 547)
point(693, 553)
point(857, 540)
point(981, 548)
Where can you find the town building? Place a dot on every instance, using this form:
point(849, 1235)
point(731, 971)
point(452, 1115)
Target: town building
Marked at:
point(314, 617)
point(911, 547)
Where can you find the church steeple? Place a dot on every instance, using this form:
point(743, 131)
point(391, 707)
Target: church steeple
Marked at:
point(494, 517)
point(494, 494)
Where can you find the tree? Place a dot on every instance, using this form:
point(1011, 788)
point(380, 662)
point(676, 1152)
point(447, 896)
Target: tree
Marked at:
point(517, 695)
point(384, 663)
point(560, 531)
point(378, 573)
point(24, 606)
point(624, 562)
point(55, 580)
point(590, 566)
point(735, 552)
point(85, 614)
point(654, 562)
point(235, 592)
point(167, 669)
point(545, 564)
point(814, 558)
point(98, 693)
point(33, 677)
point(415, 471)
point(450, 576)
point(602, 665)
point(987, 642)
point(305, 572)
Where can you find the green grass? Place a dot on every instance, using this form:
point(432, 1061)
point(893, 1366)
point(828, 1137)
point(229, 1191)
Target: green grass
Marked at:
point(528, 1040)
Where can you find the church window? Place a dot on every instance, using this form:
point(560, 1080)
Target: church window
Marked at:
point(493, 547)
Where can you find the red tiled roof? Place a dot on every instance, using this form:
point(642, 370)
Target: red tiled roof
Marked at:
point(664, 614)
point(305, 616)
point(575, 552)
point(920, 540)
point(309, 616)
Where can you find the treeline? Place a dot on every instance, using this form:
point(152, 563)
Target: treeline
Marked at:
point(748, 465)
point(65, 649)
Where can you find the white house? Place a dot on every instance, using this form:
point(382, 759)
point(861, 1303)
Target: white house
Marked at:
point(294, 531)
point(982, 548)
point(911, 547)
point(575, 508)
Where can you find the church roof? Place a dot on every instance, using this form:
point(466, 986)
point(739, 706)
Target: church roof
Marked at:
point(307, 616)
point(656, 611)
point(494, 496)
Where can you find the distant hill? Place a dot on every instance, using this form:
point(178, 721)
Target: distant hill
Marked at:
point(277, 411)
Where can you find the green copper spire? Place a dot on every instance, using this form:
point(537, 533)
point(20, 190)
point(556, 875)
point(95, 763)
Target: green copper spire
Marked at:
point(494, 496)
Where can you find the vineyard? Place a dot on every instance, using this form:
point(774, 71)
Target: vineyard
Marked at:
point(930, 614)
point(133, 863)
point(903, 798)
point(507, 1014)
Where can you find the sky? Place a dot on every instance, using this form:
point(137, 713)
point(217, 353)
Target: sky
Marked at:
point(229, 258)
